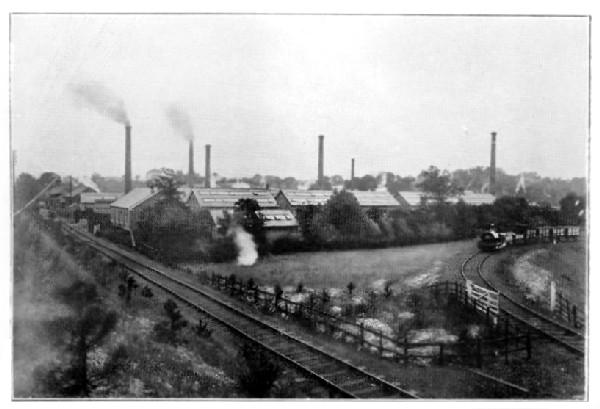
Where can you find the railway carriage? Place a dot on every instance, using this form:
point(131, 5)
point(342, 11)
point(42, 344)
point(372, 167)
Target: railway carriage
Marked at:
point(491, 239)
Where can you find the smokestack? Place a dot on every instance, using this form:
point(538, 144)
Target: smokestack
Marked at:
point(191, 165)
point(352, 175)
point(493, 165)
point(320, 175)
point(127, 158)
point(207, 166)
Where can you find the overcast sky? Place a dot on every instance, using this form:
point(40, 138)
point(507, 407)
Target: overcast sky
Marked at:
point(398, 93)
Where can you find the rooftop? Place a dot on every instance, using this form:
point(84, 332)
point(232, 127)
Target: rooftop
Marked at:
point(227, 198)
point(371, 198)
point(307, 197)
point(98, 197)
point(277, 218)
point(134, 197)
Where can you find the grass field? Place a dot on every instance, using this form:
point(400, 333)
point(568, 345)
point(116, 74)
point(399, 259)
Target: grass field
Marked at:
point(408, 266)
point(567, 263)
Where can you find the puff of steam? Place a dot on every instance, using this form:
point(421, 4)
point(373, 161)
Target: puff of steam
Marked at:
point(180, 121)
point(247, 253)
point(101, 99)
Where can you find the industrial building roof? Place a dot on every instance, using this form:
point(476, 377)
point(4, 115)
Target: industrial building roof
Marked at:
point(98, 197)
point(307, 197)
point(273, 218)
point(134, 197)
point(227, 198)
point(476, 199)
point(412, 198)
point(371, 198)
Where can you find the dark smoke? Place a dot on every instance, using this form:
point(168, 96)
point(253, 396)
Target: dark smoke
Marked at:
point(180, 121)
point(101, 99)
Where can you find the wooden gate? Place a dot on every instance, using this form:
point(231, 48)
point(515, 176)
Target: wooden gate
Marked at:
point(483, 298)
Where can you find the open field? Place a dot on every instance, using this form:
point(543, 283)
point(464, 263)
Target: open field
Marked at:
point(409, 266)
point(529, 271)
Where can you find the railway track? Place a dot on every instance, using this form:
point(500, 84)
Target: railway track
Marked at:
point(572, 340)
point(340, 376)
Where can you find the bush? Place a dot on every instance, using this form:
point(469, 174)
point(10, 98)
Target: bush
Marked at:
point(222, 250)
point(258, 371)
point(147, 292)
point(201, 329)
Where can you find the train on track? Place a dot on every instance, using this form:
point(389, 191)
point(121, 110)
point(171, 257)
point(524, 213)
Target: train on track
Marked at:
point(492, 239)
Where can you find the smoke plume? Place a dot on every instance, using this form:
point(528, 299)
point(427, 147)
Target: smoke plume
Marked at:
point(180, 121)
point(101, 99)
point(247, 253)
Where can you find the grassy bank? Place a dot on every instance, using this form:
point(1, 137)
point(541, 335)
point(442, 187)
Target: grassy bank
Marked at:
point(408, 266)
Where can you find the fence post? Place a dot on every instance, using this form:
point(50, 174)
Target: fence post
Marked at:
point(362, 334)
point(479, 357)
point(528, 345)
point(574, 315)
point(505, 340)
point(442, 354)
point(405, 350)
point(380, 343)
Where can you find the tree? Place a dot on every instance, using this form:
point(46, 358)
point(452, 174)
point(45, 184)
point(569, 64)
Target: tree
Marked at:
point(367, 182)
point(572, 208)
point(168, 185)
point(47, 177)
point(437, 184)
point(245, 215)
point(258, 371)
point(78, 333)
point(25, 189)
point(342, 210)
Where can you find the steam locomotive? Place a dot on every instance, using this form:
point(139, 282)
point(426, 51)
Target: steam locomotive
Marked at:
point(492, 239)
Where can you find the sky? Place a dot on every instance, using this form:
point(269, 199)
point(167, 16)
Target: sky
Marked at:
point(398, 93)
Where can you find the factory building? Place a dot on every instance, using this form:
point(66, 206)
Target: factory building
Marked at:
point(278, 223)
point(380, 199)
point(125, 211)
point(215, 203)
point(65, 195)
point(413, 199)
point(98, 202)
point(295, 200)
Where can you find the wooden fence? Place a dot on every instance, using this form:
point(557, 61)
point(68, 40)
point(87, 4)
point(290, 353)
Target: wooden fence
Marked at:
point(568, 311)
point(312, 313)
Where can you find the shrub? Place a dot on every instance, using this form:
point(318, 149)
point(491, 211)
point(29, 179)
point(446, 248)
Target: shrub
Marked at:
point(350, 288)
point(300, 287)
point(222, 250)
point(147, 292)
point(201, 329)
point(258, 371)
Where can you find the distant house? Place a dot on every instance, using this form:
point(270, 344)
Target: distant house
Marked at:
point(65, 195)
point(380, 199)
point(410, 199)
point(214, 204)
point(278, 223)
point(223, 199)
point(295, 200)
point(474, 199)
point(413, 199)
point(98, 202)
point(125, 211)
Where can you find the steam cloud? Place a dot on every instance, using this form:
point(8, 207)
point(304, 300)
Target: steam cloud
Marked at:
point(180, 121)
point(247, 253)
point(101, 99)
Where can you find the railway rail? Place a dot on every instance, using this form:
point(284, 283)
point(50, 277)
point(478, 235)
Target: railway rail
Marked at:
point(571, 339)
point(338, 375)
